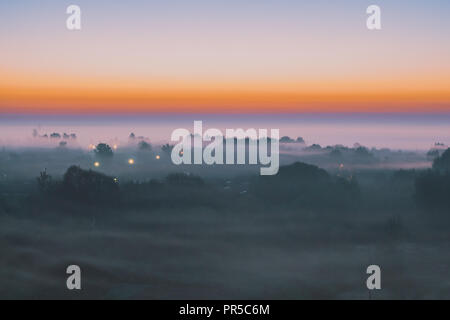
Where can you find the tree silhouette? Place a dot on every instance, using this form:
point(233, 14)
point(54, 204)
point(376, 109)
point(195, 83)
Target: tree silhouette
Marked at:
point(300, 140)
point(336, 153)
point(55, 135)
point(89, 186)
point(167, 148)
point(306, 186)
point(44, 182)
point(286, 139)
point(144, 146)
point(442, 163)
point(103, 150)
point(362, 152)
point(433, 153)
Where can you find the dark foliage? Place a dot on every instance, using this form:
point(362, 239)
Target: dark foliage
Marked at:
point(404, 175)
point(314, 147)
point(178, 191)
point(44, 182)
point(362, 152)
point(286, 139)
point(442, 163)
point(433, 153)
point(167, 148)
point(144, 146)
point(300, 140)
point(432, 190)
point(103, 150)
point(88, 186)
point(336, 153)
point(302, 185)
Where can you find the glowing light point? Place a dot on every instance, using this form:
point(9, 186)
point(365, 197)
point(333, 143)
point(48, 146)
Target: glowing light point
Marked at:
point(115, 147)
point(96, 164)
point(130, 161)
point(158, 157)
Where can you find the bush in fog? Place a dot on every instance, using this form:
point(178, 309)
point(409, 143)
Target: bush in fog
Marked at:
point(286, 139)
point(362, 152)
point(177, 190)
point(167, 148)
point(314, 147)
point(302, 185)
point(144, 146)
point(442, 163)
point(103, 150)
point(433, 153)
point(336, 153)
point(88, 186)
point(300, 140)
point(44, 182)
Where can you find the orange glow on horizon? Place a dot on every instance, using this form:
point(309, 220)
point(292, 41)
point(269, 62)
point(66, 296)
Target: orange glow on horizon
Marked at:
point(31, 94)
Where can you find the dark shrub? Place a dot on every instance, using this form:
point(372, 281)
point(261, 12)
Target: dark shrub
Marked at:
point(103, 150)
point(44, 182)
point(286, 139)
point(167, 148)
point(306, 186)
point(362, 152)
point(89, 186)
point(144, 146)
point(336, 153)
point(300, 140)
point(433, 153)
point(314, 147)
point(442, 163)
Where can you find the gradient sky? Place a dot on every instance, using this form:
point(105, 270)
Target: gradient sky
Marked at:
point(224, 56)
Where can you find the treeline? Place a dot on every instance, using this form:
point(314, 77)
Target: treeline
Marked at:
point(91, 188)
point(432, 187)
point(306, 186)
point(298, 186)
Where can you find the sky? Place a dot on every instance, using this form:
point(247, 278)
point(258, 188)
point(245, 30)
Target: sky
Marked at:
point(266, 56)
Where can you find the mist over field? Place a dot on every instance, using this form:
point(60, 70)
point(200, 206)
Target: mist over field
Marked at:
point(149, 229)
point(354, 97)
